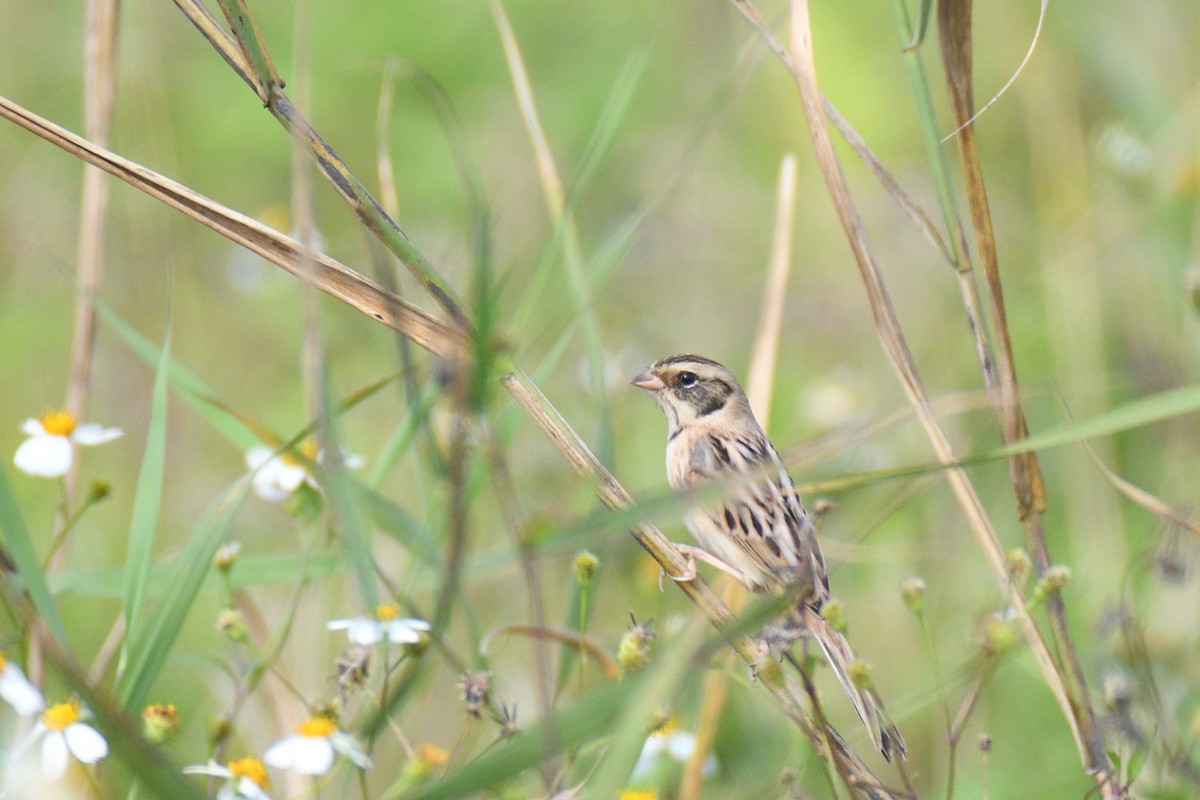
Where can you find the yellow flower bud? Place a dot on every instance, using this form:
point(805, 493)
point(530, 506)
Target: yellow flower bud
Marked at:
point(912, 592)
point(586, 564)
point(633, 652)
point(834, 614)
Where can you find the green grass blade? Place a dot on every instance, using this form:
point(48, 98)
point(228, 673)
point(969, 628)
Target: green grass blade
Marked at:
point(353, 533)
point(147, 499)
point(24, 556)
point(192, 389)
point(402, 438)
point(148, 652)
point(397, 523)
point(1134, 414)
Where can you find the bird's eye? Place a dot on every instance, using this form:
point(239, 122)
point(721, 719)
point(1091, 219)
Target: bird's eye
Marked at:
point(688, 379)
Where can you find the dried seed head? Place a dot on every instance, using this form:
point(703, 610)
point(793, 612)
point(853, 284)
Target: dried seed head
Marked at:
point(1053, 579)
point(352, 668)
point(1170, 566)
point(475, 687)
point(160, 722)
point(1019, 565)
point(508, 720)
point(633, 652)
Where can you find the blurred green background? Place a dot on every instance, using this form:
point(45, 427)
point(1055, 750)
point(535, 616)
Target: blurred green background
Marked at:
point(1092, 163)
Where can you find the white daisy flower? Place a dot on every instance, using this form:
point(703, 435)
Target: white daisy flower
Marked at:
point(313, 748)
point(17, 691)
point(278, 475)
point(61, 735)
point(47, 451)
point(672, 742)
point(245, 778)
point(386, 624)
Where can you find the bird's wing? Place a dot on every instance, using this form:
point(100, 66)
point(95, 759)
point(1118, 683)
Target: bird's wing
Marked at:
point(764, 514)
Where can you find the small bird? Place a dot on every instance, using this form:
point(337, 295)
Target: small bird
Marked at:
point(760, 533)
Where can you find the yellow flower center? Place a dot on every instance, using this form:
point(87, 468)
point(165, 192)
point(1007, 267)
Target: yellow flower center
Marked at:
point(669, 725)
point(58, 423)
point(309, 449)
point(163, 714)
point(387, 611)
point(249, 767)
point(166, 710)
point(3, 661)
point(321, 727)
point(638, 794)
point(61, 716)
point(432, 756)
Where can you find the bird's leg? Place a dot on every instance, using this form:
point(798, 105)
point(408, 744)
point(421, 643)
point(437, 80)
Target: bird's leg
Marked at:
point(692, 554)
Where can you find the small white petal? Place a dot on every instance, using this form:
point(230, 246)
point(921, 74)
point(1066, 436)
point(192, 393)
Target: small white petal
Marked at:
point(648, 758)
point(290, 476)
point(91, 434)
point(352, 460)
point(281, 754)
point(308, 755)
point(246, 789)
point(347, 745)
point(400, 632)
point(18, 692)
point(44, 456)
point(258, 456)
point(32, 427)
point(54, 755)
point(85, 743)
point(268, 490)
point(211, 768)
point(681, 744)
point(359, 630)
point(365, 632)
point(417, 624)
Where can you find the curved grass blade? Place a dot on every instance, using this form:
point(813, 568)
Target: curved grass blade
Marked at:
point(147, 500)
point(25, 559)
point(148, 652)
point(396, 522)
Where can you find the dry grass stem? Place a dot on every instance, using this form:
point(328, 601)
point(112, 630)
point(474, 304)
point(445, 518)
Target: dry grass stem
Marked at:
point(954, 31)
point(761, 379)
point(895, 346)
point(330, 276)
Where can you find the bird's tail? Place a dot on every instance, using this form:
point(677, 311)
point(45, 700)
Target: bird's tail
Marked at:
point(870, 709)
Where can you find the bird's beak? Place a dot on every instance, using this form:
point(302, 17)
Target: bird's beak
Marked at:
point(649, 381)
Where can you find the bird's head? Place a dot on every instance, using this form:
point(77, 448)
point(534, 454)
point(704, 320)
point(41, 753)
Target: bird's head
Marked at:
point(691, 387)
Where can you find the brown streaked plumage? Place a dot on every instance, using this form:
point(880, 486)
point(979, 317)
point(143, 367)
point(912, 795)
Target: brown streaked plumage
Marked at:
point(761, 532)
